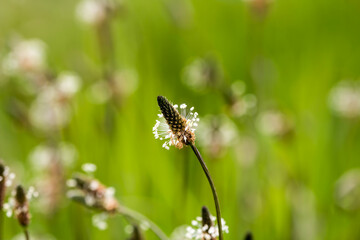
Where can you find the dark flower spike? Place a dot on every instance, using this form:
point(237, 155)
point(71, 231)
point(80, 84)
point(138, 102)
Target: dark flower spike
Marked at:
point(207, 223)
point(205, 227)
point(248, 236)
point(6, 179)
point(173, 118)
point(206, 217)
point(2, 185)
point(21, 209)
point(136, 234)
point(177, 128)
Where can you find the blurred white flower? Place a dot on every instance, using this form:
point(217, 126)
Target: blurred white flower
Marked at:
point(181, 12)
point(129, 229)
point(89, 167)
point(347, 190)
point(246, 150)
point(49, 163)
point(216, 134)
point(243, 104)
point(144, 225)
point(200, 231)
point(95, 12)
point(179, 233)
point(26, 56)
point(91, 12)
point(125, 82)
point(119, 87)
point(43, 155)
point(91, 193)
point(274, 123)
point(31, 193)
point(9, 177)
point(202, 73)
point(344, 99)
point(304, 218)
point(100, 220)
point(100, 92)
point(51, 109)
point(68, 84)
point(48, 112)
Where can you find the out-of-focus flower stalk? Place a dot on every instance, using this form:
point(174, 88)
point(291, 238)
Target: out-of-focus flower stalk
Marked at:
point(93, 194)
point(138, 217)
point(21, 209)
point(213, 189)
point(2, 196)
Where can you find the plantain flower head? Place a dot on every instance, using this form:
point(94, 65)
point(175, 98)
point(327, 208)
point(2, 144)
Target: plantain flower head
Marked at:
point(205, 227)
point(18, 204)
point(176, 127)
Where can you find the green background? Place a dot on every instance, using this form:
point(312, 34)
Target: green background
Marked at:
point(310, 44)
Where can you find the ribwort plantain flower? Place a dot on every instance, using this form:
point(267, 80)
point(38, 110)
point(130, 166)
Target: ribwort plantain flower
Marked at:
point(6, 179)
point(26, 56)
point(204, 227)
point(136, 233)
point(248, 236)
point(344, 99)
point(2, 185)
point(18, 204)
point(275, 123)
point(179, 130)
point(176, 127)
point(91, 193)
point(217, 134)
point(203, 73)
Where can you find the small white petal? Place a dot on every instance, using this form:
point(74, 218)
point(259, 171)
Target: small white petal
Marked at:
point(89, 167)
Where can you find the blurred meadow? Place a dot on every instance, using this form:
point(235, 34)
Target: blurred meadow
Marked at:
point(275, 82)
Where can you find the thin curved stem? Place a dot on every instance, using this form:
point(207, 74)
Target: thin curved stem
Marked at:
point(1, 224)
point(216, 199)
point(26, 232)
point(131, 214)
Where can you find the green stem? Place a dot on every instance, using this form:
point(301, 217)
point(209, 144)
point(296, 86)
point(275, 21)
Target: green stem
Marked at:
point(26, 232)
point(1, 223)
point(216, 199)
point(131, 214)
point(106, 48)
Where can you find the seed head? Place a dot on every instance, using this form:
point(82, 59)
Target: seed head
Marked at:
point(136, 233)
point(205, 227)
point(178, 128)
point(91, 193)
point(21, 209)
point(6, 179)
point(206, 217)
point(176, 122)
point(248, 236)
point(2, 184)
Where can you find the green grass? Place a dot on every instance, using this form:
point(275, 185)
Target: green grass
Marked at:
point(309, 46)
